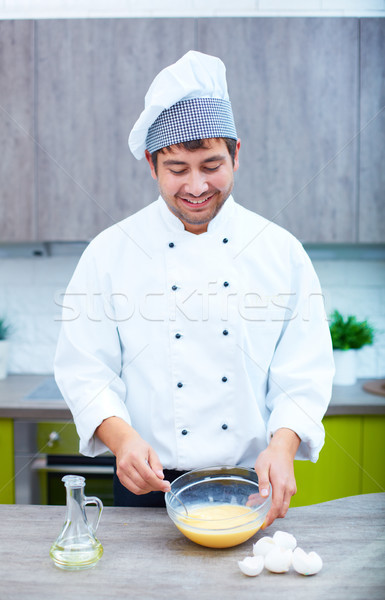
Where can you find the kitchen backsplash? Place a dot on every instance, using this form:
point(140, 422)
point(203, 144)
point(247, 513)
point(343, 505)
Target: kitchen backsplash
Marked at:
point(31, 288)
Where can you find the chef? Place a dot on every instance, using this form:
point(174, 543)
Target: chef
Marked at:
point(193, 332)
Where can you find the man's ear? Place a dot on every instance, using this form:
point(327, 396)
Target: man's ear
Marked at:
point(150, 162)
point(236, 155)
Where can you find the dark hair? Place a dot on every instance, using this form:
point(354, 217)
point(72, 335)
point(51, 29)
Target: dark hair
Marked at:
point(196, 145)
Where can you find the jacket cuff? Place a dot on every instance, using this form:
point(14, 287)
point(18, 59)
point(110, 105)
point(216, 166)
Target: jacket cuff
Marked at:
point(106, 404)
point(310, 430)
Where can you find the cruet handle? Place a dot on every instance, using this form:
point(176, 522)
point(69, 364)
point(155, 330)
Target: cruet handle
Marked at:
point(99, 504)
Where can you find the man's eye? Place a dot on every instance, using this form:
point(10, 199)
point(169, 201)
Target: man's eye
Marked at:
point(212, 168)
point(177, 172)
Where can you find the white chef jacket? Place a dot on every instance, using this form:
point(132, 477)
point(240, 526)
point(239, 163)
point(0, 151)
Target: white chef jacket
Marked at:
point(206, 344)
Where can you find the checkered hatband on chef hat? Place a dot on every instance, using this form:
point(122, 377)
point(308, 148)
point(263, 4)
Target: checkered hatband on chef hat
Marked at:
point(193, 119)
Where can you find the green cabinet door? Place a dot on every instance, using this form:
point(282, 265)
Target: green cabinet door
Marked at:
point(7, 465)
point(373, 454)
point(337, 473)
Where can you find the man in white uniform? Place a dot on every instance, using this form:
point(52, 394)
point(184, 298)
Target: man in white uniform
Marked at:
point(194, 332)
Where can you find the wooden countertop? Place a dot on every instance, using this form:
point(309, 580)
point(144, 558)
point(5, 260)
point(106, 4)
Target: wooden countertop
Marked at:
point(147, 558)
point(346, 400)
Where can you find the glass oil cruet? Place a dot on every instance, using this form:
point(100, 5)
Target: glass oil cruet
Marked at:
point(77, 547)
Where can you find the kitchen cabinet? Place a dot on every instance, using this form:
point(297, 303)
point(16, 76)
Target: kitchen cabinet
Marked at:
point(373, 454)
point(92, 77)
point(57, 438)
point(372, 132)
point(17, 133)
point(294, 91)
point(311, 122)
point(58, 448)
point(7, 468)
point(351, 461)
point(45, 451)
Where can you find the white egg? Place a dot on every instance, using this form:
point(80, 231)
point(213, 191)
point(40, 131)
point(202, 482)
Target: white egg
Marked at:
point(278, 560)
point(285, 540)
point(263, 546)
point(306, 564)
point(251, 565)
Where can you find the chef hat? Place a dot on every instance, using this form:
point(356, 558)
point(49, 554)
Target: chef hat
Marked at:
point(186, 101)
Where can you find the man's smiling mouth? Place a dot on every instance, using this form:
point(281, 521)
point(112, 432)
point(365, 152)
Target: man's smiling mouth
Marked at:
point(197, 201)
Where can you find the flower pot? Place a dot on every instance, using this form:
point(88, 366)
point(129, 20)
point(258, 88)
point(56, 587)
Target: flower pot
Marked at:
point(3, 358)
point(345, 362)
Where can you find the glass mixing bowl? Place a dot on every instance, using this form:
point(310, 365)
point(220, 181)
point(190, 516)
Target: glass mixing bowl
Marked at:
point(217, 507)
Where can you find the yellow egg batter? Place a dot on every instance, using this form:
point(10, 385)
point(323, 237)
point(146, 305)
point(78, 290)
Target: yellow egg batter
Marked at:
point(210, 526)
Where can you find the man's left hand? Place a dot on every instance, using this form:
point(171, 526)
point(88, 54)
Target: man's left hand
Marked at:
point(276, 465)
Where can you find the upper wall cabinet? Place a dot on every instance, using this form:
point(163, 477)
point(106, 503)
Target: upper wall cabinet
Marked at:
point(92, 78)
point(294, 89)
point(371, 221)
point(17, 135)
point(308, 97)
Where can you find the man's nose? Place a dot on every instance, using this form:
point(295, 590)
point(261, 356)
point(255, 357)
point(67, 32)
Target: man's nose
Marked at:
point(196, 184)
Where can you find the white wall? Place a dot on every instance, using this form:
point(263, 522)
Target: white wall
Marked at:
point(31, 287)
point(42, 9)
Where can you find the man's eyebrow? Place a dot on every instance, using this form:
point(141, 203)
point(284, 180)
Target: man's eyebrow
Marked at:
point(215, 158)
point(171, 162)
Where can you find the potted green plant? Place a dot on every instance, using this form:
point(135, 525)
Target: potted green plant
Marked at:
point(4, 333)
point(348, 336)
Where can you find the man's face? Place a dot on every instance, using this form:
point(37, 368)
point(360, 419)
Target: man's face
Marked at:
point(195, 184)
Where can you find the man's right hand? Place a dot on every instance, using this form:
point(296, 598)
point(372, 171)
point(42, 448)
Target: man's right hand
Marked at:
point(137, 464)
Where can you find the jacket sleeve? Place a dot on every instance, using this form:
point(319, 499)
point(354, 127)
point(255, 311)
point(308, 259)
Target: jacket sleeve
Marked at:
point(301, 372)
point(88, 356)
